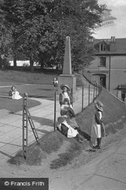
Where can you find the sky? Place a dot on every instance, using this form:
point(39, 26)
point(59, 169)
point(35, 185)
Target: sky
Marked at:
point(118, 29)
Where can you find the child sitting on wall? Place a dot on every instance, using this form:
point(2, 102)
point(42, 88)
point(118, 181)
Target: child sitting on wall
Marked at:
point(67, 130)
point(67, 111)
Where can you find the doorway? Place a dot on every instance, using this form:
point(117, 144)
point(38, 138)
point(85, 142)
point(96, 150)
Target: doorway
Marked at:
point(103, 80)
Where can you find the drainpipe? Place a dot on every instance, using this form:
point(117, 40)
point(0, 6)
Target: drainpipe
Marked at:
point(109, 83)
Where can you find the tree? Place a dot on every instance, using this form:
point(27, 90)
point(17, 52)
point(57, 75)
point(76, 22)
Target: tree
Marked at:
point(36, 29)
point(74, 18)
point(47, 23)
point(12, 11)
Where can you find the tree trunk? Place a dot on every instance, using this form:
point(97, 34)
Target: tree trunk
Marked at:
point(42, 65)
point(41, 61)
point(31, 65)
point(15, 61)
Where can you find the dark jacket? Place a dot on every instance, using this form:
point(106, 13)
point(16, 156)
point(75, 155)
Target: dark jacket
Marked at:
point(68, 111)
point(97, 117)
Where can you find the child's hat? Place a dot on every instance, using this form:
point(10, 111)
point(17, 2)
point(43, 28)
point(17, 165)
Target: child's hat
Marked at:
point(64, 85)
point(99, 105)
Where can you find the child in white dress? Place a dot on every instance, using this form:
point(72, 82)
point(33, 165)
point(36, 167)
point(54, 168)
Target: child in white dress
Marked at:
point(96, 130)
point(65, 94)
point(14, 93)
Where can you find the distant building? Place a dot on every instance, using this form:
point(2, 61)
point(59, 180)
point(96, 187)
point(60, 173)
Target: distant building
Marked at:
point(20, 63)
point(109, 65)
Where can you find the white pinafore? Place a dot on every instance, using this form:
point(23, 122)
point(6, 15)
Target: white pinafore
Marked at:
point(96, 128)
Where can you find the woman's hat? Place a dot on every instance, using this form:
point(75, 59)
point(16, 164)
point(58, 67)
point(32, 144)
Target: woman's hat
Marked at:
point(99, 105)
point(64, 85)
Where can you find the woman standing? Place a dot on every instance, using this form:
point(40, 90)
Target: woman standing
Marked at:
point(96, 130)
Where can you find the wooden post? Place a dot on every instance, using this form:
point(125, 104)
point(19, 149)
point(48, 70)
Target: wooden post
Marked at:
point(72, 96)
point(82, 97)
point(55, 110)
point(89, 94)
point(93, 92)
point(25, 127)
point(96, 89)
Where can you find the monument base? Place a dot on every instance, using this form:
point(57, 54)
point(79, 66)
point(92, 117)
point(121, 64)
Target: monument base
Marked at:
point(68, 79)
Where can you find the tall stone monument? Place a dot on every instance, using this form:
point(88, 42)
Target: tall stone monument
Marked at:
point(67, 77)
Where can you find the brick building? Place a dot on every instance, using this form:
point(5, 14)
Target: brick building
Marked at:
point(109, 65)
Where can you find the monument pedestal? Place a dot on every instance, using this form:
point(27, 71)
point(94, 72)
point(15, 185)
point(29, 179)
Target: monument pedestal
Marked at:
point(68, 79)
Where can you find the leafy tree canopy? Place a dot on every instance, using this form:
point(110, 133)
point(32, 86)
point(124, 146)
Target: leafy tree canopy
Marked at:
point(36, 29)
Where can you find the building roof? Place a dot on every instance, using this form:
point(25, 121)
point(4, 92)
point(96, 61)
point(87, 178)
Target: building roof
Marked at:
point(121, 87)
point(114, 45)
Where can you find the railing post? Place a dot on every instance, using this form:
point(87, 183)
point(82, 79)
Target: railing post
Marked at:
point(94, 92)
point(72, 96)
point(82, 97)
point(88, 94)
point(55, 110)
point(96, 89)
point(55, 84)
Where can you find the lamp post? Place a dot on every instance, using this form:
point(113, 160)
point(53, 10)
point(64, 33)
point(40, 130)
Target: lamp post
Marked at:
point(55, 84)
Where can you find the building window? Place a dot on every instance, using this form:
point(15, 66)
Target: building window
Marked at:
point(102, 61)
point(102, 47)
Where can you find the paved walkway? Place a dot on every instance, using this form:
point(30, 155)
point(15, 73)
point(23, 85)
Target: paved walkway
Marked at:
point(43, 118)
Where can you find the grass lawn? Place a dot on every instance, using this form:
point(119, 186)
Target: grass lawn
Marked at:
point(33, 91)
point(25, 77)
point(19, 78)
point(10, 77)
point(37, 85)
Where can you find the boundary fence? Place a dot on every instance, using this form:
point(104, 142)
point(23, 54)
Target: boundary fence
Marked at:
point(87, 94)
